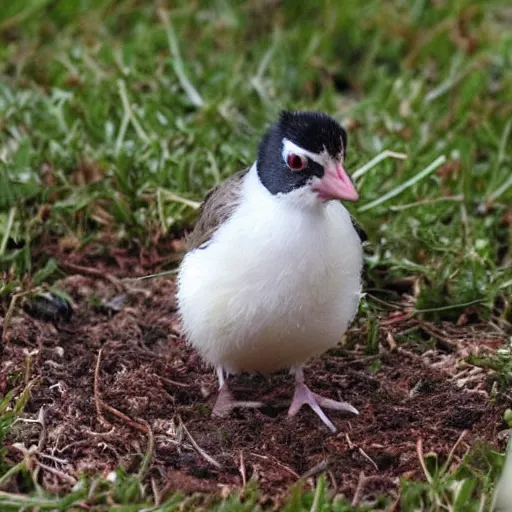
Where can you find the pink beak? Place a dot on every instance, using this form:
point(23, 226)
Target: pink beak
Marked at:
point(335, 184)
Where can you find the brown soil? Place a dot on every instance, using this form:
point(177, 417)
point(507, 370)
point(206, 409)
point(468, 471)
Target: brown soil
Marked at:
point(149, 374)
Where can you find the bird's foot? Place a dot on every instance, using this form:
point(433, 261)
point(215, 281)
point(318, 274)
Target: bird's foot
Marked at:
point(303, 395)
point(226, 403)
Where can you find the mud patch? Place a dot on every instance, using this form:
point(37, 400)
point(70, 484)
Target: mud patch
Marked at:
point(149, 375)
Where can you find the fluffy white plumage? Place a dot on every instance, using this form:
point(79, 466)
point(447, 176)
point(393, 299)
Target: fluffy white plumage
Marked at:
point(277, 284)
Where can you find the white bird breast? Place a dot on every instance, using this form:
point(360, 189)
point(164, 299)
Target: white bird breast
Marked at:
point(278, 283)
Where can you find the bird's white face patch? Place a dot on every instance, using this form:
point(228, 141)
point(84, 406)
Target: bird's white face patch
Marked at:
point(322, 158)
point(306, 197)
point(290, 147)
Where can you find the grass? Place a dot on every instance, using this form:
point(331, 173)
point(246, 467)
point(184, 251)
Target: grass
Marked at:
point(117, 116)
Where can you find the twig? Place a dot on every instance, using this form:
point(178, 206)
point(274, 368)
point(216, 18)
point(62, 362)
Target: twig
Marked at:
point(368, 458)
point(352, 445)
point(82, 505)
point(152, 276)
point(315, 470)
point(452, 451)
point(100, 404)
point(395, 507)
point(8, 316)
point(156, 493)
point(199, 450)
point(92, 490)
point(99, 434)
point(391, 341)
point(55, 459)
point(358, 494)
point(28, 363)
point(443, 339)
point(29, 461)
point(125, 418)
point(334, 484)
point(364, 480)
point(96, 389)
point(68, 478)
point(173, 382)
point(41, 420)
point(92, 272)
point(242, 470)
point(284, 466)
point(43, 434)
point(419, 451)
point(72, 445)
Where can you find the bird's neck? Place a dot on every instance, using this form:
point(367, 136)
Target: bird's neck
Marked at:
point(302, 199)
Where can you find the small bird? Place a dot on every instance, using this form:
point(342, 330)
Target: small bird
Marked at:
point(273, 273)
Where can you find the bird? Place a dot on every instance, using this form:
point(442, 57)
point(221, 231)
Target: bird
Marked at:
point(273, 273)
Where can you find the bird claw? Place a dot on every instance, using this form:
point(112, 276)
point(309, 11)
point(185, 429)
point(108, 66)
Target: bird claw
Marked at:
point(303, 395)
point(226, 403)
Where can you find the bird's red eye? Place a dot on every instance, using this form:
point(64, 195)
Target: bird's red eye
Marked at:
point(295, 162)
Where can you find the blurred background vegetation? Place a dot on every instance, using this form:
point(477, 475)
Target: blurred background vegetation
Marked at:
point(113, 114)
point(107, 105)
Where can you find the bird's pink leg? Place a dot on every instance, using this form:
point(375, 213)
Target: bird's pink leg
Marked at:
point(303, 395)
point(225, 402)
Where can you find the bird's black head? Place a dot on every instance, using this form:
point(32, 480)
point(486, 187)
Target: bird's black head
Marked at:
point(305, 151)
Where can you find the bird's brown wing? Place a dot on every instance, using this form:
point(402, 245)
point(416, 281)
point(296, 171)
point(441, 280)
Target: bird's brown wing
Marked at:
point(216, 208)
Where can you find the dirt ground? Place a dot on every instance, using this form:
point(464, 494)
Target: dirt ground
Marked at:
point(97, 410)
